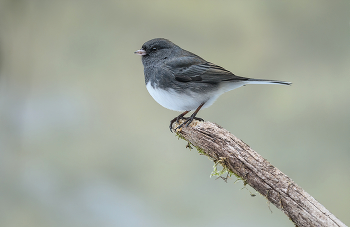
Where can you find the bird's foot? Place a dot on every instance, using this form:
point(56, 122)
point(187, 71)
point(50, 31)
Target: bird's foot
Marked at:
point(188, 121)
point(177, 120)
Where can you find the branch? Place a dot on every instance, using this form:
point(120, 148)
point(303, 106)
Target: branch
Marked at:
point(237, 157)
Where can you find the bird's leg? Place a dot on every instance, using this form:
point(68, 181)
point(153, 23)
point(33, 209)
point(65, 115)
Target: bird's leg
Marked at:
point(181, 116)
point(192, 117)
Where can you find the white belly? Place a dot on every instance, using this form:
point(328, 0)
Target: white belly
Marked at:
point(172, 100)
point(186, 101)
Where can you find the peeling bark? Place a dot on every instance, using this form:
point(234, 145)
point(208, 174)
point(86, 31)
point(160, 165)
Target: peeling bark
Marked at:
point(220, 145)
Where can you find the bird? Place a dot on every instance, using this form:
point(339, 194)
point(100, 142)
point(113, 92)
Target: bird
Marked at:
point(182, 81)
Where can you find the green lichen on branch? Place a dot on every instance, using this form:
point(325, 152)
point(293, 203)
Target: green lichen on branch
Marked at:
point(220, 161)
point(223, 171)
point(190, 145)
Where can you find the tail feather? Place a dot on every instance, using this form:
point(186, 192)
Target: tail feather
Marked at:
point(262, 81)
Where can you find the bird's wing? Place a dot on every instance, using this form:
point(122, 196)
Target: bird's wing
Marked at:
point(190, 69)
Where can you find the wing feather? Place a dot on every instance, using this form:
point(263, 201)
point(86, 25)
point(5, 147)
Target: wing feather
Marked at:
point(190, 69)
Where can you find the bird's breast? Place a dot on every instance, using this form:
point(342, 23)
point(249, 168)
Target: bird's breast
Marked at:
point(175, 100)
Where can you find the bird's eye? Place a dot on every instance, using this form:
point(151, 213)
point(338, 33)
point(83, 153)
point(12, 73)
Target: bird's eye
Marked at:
point(154, 48)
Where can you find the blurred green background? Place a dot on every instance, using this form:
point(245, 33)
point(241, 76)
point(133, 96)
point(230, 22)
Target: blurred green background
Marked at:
point(82, 143)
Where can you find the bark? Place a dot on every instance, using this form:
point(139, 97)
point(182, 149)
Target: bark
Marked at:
point(235, 155)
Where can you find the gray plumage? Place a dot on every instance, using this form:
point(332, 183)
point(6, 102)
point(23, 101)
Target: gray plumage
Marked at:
point(182, 81)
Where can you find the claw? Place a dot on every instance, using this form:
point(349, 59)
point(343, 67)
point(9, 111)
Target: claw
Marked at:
point(191, 118)
point(188, 120)
point(177, 119)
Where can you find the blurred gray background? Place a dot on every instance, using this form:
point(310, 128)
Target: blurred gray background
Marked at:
point(82, 143)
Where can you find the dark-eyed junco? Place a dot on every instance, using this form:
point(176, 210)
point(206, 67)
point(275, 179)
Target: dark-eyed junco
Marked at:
point(182, 81)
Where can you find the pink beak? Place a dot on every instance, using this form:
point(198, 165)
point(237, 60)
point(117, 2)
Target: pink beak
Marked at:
point(140, 52)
